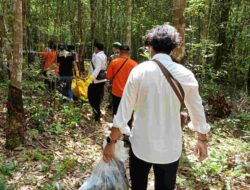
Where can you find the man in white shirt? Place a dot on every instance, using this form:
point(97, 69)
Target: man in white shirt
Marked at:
point(156, 135)
point(96, 87)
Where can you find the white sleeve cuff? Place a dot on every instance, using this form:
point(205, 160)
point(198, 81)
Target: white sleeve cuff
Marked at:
point(124, 128)
point(204, 129)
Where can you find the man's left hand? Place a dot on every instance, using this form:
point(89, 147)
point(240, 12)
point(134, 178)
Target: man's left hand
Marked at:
point(201, 150)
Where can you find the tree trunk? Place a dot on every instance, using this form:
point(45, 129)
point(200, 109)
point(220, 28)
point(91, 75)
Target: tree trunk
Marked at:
point(204, 33)
point(3, 65)
point(80, 37)
point(15, 129)
point(5, 46)
point(129, 22)
point(71, 14)
point(93, 4)
point(248, 81)
point(221, 51)
point(179, 23)
point(79, 21)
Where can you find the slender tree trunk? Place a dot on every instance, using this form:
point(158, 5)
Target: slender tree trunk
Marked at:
point(2, 48)
point(179, 23)
point(80, 36)
point(5, 46)
point(24, 12)
point(71, 14)
point(221, 52)
point(80, 20)
point(129, 22)
point(248, 81)
point(93, 4)
point(111, 25)
point(204, 32)
point(15, 129)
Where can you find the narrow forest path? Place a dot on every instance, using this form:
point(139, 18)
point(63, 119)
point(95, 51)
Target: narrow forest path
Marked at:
point(64, 144)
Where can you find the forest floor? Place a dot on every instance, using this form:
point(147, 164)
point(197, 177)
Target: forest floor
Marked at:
point(63, 144)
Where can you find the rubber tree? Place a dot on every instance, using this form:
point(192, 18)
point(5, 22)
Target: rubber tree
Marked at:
point(179, 23)
point(15, 120)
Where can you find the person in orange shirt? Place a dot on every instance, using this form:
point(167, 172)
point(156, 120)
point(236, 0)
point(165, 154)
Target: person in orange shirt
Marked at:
point(118, 71)
point(50, 67)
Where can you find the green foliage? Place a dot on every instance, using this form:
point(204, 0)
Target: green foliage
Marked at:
point(53, 186)
point(226, 161)
point(237, 120)
point(67, 165)
point(33, 133)
point(8, 169)
point(196, 8)
point(37, 155)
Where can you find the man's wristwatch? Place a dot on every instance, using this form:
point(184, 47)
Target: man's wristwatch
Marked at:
point(110, 141)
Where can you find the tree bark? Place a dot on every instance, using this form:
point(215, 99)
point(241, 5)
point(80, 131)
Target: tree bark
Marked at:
point(179, 23)
point(6, 49)
point(3, 39)
point(15, 128)
point(80, 37)
point(129, 22)
point(80, 20)
point(71, 14)
point(248, 81)
point(93, 4)
point(221, 52)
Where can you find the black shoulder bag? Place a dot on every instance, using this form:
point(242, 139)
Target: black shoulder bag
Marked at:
point(102, 73)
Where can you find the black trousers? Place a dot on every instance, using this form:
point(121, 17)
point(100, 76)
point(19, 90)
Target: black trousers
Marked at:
point(165, 174)
point(115, 103)
point(95, 96)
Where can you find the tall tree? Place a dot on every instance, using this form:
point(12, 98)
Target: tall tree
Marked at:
point(221, 51)
point(2, 45)
point(179, 23)
point(93, 4)
point(129, 22)
point(15, 128)
point(6, 53)
point(248, 81)
point(80, 20)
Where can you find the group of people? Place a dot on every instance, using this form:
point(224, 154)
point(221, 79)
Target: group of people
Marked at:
point(146, 92)
point(62, 62)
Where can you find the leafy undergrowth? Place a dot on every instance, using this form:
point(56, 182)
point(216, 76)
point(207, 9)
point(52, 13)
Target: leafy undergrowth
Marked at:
point(63, 144)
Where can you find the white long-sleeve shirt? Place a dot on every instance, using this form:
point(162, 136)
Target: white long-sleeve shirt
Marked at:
point(99, 61)
point(156, 135)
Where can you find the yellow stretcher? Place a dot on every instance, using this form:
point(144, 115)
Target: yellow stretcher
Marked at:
point(80, 86)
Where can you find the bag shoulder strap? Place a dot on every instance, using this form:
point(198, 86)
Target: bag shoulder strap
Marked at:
point(119, 68)
point(178, 91)
point(92, 65)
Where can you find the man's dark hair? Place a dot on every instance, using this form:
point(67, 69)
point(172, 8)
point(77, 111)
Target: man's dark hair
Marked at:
point(124, 48)
point(62, 46)
point(51, 45)
point(99, 46)
point(163, 38)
